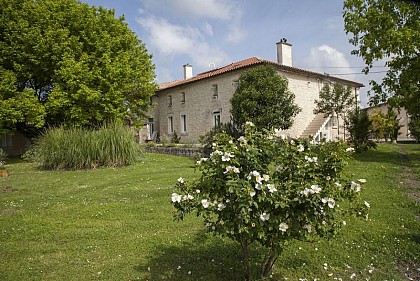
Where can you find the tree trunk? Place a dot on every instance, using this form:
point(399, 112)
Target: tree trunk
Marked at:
point(245, 259)
point(268, 262)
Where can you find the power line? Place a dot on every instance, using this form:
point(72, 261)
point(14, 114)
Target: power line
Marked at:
point(341, 67)
point(357, 73)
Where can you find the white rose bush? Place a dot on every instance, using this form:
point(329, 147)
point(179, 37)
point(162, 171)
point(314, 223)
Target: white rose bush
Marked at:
point(262, 188)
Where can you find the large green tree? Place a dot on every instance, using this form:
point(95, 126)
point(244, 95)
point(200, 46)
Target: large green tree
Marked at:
point(68, 63)
point(263, 97)
point(388, 29)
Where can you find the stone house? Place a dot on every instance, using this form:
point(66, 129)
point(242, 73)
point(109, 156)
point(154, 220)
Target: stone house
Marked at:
point(192, 106)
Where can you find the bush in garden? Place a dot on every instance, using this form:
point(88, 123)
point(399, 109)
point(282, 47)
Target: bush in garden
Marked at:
point(229, 128)
point(263, 188)
point(112, 145)
point(358, 125)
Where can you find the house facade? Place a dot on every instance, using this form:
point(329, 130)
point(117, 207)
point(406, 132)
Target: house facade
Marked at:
point(190, 107)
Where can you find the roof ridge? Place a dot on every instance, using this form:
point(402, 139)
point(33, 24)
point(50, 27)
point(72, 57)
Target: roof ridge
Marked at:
point(240, 64)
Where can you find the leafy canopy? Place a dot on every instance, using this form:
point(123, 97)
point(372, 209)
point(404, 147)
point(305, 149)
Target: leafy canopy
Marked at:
point(64, 62)
point(263, 98)
point(263, 188)
point(335, 99)
point(388, 29)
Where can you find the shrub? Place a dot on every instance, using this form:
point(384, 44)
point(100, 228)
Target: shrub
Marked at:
point(229, 128)
point(175, 138)
point(75, 148)
point(358, 125)
point(414, 126)
point(263, 188)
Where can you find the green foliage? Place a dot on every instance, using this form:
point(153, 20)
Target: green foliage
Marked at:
point(378, 124)
point(414, 127)
point(175, 138)
point(263, 188)
point(335, 100)
point(263, 98)
point(358, 125)
point(393, 125)
point(17, 106)
point(64, 62)
point(388, 29)
point(75, 148)
point(385, 126)
point(229, 128)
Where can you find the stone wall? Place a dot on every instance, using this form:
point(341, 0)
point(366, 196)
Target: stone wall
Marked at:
point(192, 152)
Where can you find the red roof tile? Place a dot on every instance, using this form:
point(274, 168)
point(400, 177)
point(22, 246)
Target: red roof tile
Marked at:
point(246, 63)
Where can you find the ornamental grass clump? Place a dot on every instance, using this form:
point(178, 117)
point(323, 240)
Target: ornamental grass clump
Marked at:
point(112, 145)
point(266, 189)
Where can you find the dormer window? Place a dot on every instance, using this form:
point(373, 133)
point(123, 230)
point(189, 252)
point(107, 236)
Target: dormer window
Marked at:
point(215, 92)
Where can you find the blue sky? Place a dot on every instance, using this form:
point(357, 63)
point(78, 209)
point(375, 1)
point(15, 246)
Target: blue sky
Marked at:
point(208, 33)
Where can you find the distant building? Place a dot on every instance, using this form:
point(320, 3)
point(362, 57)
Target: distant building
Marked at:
point(14, 143)
point(192, 106)
point(404, 132)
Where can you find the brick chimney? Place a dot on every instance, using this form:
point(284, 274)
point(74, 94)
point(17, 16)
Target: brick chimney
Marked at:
point(284, 52)
point(188, 71)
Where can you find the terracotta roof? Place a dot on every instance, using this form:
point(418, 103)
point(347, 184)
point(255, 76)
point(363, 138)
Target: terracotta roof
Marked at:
point(249, 62)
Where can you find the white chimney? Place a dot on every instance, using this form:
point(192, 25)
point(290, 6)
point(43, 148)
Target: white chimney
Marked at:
point(188, 71)
point(284, 52)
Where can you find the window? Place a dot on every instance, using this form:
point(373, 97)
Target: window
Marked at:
point(170, 124)
point(183, 123)
point(169, 101)
point(235, 84)
point(183, 97)
point(216, 118)
point(150, 128)
point(215, 92)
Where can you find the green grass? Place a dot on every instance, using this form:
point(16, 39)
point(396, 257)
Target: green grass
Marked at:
point(116, 224)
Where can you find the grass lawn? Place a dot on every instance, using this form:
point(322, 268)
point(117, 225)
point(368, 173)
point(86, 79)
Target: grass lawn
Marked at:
point(116, 224)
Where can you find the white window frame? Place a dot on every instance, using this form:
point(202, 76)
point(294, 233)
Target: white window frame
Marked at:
point(217, 116)
point(170, 124)
point(182, 97)
point(183, 123)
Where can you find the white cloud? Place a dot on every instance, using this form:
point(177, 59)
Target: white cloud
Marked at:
point(173, 40)
point(170, 39)
point(328, 59)
point(227, 12)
